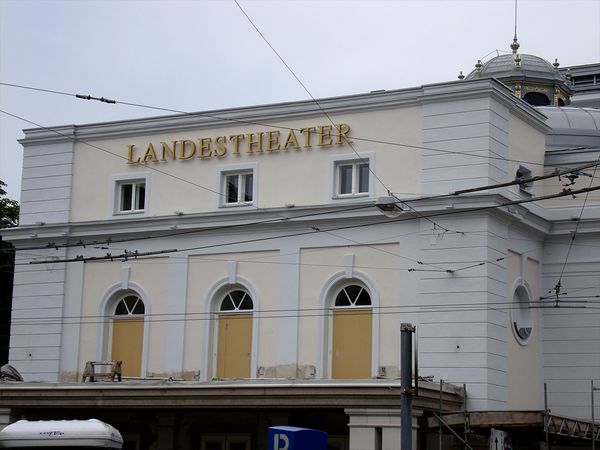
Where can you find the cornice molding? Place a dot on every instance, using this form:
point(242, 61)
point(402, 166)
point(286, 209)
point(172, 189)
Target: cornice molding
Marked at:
point(269, 114)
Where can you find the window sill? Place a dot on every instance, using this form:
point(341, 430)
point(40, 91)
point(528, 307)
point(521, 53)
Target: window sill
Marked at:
point(237, 205)
point(351, 196)
point(130, 213)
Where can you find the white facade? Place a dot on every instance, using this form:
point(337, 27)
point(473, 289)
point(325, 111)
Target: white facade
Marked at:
point(450, 265)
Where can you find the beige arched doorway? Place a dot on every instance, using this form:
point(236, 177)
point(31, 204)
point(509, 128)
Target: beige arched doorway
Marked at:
point(234, 335)
point(128, 334)
point(351, 333)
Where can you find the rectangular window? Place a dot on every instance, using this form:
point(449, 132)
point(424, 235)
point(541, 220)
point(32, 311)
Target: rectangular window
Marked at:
point(352, 178)
point(238, 188)
point(131, 196)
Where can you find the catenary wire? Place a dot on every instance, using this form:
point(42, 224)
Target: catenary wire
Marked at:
point(181, 179)
point(577, 226)
point(502, 307)
point(253, 122)
point(318, 230)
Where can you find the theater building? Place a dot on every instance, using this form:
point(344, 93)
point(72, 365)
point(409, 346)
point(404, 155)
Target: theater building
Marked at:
point(239, 264)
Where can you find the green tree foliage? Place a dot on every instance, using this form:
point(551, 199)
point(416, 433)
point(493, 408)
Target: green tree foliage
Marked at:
point(9, 209)
point(9, 217)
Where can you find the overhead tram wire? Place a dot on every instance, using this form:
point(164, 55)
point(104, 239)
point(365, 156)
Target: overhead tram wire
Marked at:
point(75, 139)
point(152, 168)
point(119, 156)
point(316, 102)
point(557, 173)
point(110, 240)
point(558, 286)
point(318, 230)
point(503, 306)
point(254, 122)
point(468, 210)
point(203, 187)
point(203, 259)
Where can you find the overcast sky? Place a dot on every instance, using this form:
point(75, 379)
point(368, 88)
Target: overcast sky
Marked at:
point(202, 55)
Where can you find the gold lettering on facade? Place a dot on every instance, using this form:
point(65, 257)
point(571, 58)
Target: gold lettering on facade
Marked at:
point(273, 141)
point(236, 142)
point(256, 142)
point(325, 135)
point(205, 148)
point(307, 133)
point(342, 133)
point(150, 154)
point(130, 155)
point(221, 150)
point(291, 140)
point(187, 145)
point(168, 150)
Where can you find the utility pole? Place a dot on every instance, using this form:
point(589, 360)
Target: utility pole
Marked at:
point(593, 419)
point(406, 386)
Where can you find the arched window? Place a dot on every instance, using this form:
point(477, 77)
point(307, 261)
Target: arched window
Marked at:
point(536, 99)
point(129, 306)
point(236, 301)
point(521, 316)
point(353, 295)
point(234, 335)
point(351, 332)
point(128, 334)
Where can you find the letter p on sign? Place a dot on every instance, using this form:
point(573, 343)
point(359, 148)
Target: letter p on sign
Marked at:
point(281, 442)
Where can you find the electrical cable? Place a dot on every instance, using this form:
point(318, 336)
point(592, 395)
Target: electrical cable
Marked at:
point(318, 230)
point(558, 286)
point(316, 102)
point(253, 122)
point(299, 313)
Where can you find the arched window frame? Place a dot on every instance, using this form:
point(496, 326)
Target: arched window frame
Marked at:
point(237, 308)
point(130, 309)
point(326, 299)
point(520, 283)
point(212, 304)
point(343, 290)
point(106, 310)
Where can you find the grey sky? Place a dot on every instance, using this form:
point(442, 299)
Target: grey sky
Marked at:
point(200, 55)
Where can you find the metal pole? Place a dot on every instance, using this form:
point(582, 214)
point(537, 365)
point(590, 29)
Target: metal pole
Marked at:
point(546, 417)
point(441, 391)
point(406, 331)
point(466, 416)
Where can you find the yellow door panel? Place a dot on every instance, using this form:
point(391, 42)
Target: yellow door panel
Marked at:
point(234, 346)
point(351, 344)
point(127, 343)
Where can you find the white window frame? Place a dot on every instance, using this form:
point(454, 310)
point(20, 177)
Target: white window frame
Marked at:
point(351, 160)
point(135, 179)
point(240, 170)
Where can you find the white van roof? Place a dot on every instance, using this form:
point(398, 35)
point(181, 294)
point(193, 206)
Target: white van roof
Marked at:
point(60, 433)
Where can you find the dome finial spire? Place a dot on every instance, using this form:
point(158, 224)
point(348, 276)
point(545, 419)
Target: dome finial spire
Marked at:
point(515, 44)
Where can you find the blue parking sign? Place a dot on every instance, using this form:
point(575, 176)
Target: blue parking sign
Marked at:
point(294, 438)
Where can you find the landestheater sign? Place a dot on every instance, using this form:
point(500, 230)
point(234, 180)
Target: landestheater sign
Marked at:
point(237, 144)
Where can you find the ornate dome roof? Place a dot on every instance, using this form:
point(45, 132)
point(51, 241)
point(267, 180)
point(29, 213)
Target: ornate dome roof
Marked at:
point(504, 67)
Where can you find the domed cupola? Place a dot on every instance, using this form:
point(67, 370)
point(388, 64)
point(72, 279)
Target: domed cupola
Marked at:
point(530, 77)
